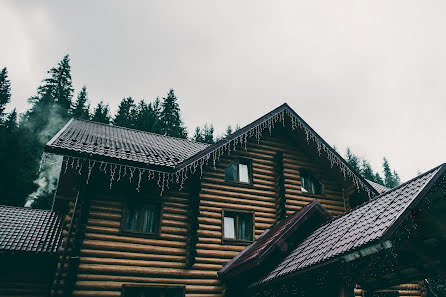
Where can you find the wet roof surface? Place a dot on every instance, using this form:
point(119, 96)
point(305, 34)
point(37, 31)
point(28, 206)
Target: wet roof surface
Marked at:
point(29, 230)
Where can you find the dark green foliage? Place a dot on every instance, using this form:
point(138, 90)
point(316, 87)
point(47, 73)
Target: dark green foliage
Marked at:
point(170, 119)
point(147, 116)
point(205, 134)
point(5, 92)
point(101, 113)
point(81, 108)
point(58, 87)
point(391, 179)
point(126, 114)
point(353, 160)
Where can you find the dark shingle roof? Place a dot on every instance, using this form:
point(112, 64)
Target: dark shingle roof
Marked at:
point(107, 142)
point(29, 230)
point(376, 220)
point(269, 239)
point(380, 188)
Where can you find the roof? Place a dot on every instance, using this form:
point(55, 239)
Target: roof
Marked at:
point(29, 230)
point(89, 140)
point(113, 143)
point(273, 237)
point(371, 222)
point(380, 188)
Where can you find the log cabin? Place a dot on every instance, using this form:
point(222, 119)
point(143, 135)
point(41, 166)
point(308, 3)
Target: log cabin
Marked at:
point(271, 209)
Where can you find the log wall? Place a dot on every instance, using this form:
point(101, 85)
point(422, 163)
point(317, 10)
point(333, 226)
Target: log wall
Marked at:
point(110, 258)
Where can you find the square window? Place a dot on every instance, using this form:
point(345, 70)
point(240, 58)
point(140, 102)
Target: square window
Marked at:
point(142, 218)
point(239, 171)
point(238, 225)
point(309, 184)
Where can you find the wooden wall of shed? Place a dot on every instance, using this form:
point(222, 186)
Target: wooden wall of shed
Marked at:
point(110, 258)
point(26, 275)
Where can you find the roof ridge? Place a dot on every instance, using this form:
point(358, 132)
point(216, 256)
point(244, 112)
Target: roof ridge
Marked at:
point(141, 131)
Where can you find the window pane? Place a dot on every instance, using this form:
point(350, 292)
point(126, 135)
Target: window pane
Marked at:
point(243, 173)
point(150, 220)
point(231, 172)
point(131, 218)
point(304, 183)
point(229, 227)
point(245, 227)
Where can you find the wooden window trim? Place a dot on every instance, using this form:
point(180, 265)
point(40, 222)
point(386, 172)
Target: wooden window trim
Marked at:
point(154, 286)
point(238, 182)
point(138, 233)
point(236, 241)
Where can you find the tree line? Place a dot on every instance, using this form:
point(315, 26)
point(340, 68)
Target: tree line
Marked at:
point(22, 137)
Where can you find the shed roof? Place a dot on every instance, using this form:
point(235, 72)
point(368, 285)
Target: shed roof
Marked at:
point(29, 230)
point(373, 221)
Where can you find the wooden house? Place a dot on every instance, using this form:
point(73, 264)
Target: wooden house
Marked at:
point(152, 215)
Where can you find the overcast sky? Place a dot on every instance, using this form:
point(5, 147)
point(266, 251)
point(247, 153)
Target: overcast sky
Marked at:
point(367, 74)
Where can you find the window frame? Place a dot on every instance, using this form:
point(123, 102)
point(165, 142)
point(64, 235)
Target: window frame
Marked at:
point(311, 176)
point(140, 203)
point(237, 212)
point(248, 162)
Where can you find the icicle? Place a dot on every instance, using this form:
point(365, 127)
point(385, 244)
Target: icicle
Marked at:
point(112, 175)
point(80, 168)
point(90, 168)
point(66, 165)
point(72, 163)
point(119, 173)
point(141, 171)
point(132, 172)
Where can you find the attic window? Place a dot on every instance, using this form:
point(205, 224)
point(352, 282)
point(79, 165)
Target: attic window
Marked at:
point(309, 184)
point(239, 171)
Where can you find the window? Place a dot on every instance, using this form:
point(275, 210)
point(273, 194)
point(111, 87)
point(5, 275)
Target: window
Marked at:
point(142, 218)
point(238, 225)
point(309, 184)
point(239, 171)
point(141, 291)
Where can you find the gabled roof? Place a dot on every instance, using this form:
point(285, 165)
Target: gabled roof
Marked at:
point(172, 156)
point(27, 230)
point(371, 223)
point(113, 143)
point(380, 188)
point(272, 238)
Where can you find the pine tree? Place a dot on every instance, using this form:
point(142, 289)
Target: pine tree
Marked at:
point(101, 113)
point(367, 171)
point(81, 108)
point(353, 160)
point(391, 179)
point(5, 92)
point(126, 114)
point(147, 118)
point(198, 135)
point(208, 133)
point(59, 86)
point(171, 123)
point(228, 131)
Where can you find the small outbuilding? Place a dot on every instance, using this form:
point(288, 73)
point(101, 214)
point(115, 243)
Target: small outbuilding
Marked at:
point(29, 239)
